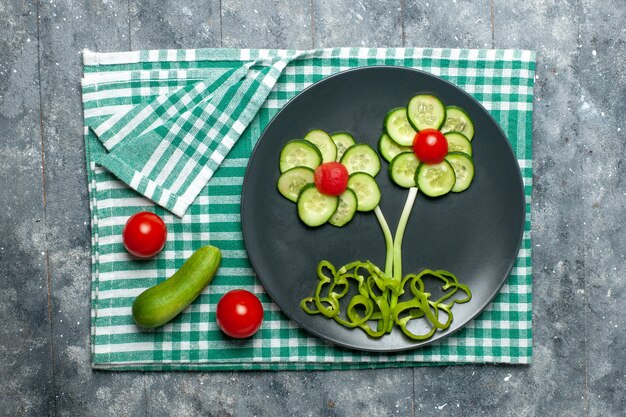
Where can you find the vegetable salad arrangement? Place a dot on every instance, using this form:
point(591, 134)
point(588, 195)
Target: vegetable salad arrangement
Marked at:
point(331, 177)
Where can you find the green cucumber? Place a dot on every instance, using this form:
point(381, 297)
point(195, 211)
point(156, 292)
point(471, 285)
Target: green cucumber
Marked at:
point(402, 169)
point(345, 209)
point(366, 190)
point(159, 304)
point(457, 120)
point(398, 127)
point(463, 170)
point(458, 142)
point(425, 111)
point(315, 208)
point(435, 180)
point(361, 158)
point(291, 182)
point(388, 149)
point(343, 140)
point(324, 143)
point(299, 153)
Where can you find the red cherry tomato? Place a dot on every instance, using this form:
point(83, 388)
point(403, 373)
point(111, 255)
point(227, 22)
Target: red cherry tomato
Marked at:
point(239, 314)
point(430, 146)
point(144, 234)
point(331, 178)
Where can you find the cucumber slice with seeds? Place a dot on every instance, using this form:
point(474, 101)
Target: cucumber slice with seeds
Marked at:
point(299, 153)
point(398, 127)
point(361, 158)
point(463, 170)
point(388, 149)
point(366, 190)
point(293, 180)
point(315, 208)
point(458, 121)
point(435, 180)
point(426, 111)
point(345, 209)
point(458, 142)
point(343, 140)
point(402, 169)
point(324, 143)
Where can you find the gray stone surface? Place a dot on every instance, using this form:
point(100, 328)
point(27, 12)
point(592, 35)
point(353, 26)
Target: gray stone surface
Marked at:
point(496, 390)
point(179, 24)
point(263, 24)
point(579, 364)
point(558, 250)
point(357, 23)
point(26, 369)
point(602, 132)
point(460, 24)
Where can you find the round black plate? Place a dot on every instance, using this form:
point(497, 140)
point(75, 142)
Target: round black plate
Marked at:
point(474, 234)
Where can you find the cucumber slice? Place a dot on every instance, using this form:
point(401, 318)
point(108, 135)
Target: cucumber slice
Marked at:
point(458, 121)
point(402, 169)
point(343, 140)
point(398, 127)
point(458, 142)
point(463, 170)
point(315, 208)
point(293, 180)
point(361, 158)
point(388, 149)
point(299, 153)
point(345, 209)
point(366, 190)
point(324, 143)
point(426, 111)
point(435, 180)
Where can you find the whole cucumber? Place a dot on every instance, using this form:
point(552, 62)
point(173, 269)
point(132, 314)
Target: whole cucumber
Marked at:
point(159, 304)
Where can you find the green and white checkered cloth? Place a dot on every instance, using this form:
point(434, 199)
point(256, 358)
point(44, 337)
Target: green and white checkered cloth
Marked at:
point(176, 128)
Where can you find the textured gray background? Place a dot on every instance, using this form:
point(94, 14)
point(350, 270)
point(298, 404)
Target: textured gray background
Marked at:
point(579, 238)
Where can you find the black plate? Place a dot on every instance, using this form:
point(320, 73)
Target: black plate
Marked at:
point(474, 234)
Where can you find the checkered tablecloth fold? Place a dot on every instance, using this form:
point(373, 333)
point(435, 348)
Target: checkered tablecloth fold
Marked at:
point(167, 147)
point(176, 128)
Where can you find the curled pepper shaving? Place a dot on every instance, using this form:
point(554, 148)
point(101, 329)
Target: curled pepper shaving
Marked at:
point(374, 305)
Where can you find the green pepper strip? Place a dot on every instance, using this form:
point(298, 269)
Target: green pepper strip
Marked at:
point(377, 299)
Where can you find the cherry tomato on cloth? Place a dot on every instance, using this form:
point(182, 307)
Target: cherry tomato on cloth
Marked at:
point(430, 146)
point(144, 234)
point(331, 178)
point(239, 314)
